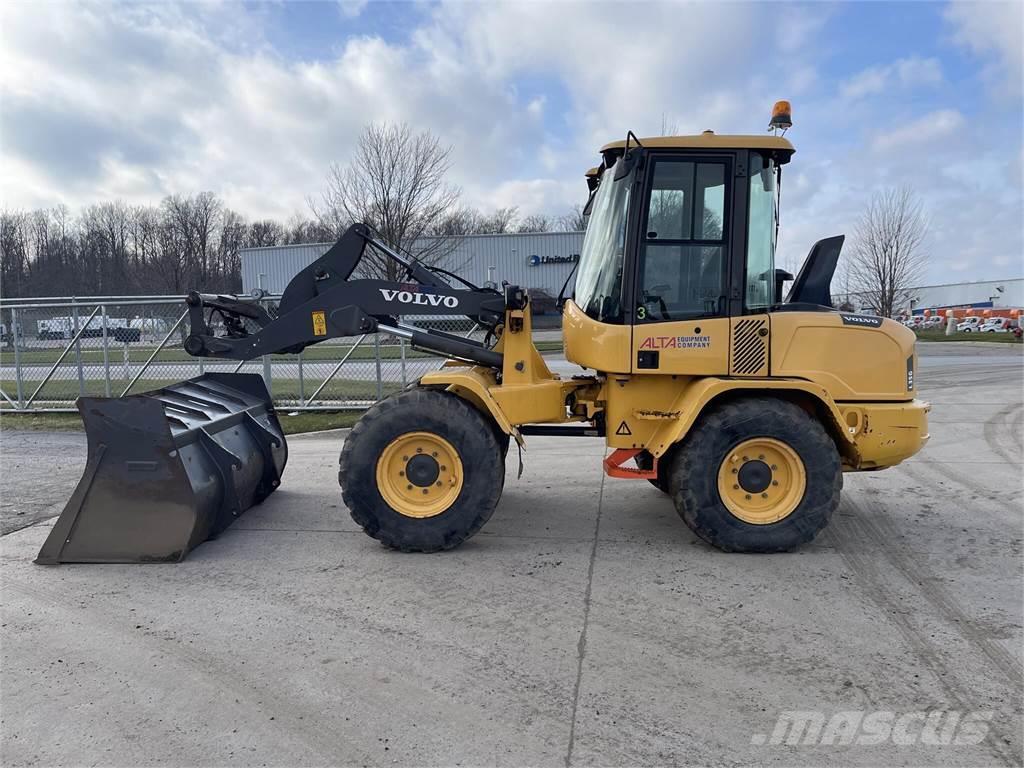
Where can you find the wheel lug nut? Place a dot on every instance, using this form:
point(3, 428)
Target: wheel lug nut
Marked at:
point(434, 454)
point(760, 457)
point(748, 496)
point(774, 467)
point(401, 473)
point(745, 458)
point(405, 458)
point(425, 490)
point(764, 495)
point(408, 487)
point(735, 487)
point(443, 467)
point(419, 450)
point(438, 483)
point(735, 471)
point(775, 482)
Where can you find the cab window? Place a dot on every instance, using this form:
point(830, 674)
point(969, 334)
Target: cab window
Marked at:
point(683, 253)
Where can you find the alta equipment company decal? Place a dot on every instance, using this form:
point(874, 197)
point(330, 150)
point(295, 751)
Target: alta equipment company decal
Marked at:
point(676, 342)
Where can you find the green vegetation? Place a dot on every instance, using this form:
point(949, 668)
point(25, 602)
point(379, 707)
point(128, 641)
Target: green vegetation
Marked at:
point(284, 389)
point(139, 354)
point(303, 421)
point(940, 335)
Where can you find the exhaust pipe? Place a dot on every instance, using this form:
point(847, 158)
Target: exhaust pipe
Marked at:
point(168, 470)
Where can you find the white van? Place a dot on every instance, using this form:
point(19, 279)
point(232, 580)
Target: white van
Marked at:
point(969, 324)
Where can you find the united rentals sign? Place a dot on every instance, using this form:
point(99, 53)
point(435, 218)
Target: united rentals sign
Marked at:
point(536, 261)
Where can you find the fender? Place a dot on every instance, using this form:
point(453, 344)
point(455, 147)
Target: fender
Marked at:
point(699, 395)
point(474, 385)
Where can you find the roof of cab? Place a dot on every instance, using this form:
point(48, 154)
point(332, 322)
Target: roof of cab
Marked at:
point(710, 140)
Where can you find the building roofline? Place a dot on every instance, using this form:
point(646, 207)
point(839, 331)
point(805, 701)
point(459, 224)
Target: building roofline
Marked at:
point(426, 237)
point(966, 282)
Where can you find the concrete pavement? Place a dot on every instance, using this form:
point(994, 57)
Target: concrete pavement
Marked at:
point(584, 624)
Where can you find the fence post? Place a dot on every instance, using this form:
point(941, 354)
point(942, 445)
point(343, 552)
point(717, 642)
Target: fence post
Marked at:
point(376, 357)
point(106, 351)
point(78, 352)
point(16, 336)
point(127, 363)
point(401, 352)
point(302, 383)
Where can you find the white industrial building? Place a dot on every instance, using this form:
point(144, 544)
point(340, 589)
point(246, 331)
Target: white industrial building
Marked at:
point(536, 260)
point(544, 260)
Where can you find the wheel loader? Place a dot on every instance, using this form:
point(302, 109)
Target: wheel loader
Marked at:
point(744, 406)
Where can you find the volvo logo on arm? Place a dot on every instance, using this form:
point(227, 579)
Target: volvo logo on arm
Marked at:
point(421, 299)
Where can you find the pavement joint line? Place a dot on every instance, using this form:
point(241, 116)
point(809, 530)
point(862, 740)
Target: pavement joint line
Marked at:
point(581, 646)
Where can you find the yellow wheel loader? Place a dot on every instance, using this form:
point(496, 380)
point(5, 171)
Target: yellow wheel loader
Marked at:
point(745, 407)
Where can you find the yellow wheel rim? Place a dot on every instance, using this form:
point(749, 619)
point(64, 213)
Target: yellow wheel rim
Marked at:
point(419, 474)
point(762, 480)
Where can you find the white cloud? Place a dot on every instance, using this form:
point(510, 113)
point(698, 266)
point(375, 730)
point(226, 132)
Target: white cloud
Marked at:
point(920, 132)
point(993, 30)
point(903, 73)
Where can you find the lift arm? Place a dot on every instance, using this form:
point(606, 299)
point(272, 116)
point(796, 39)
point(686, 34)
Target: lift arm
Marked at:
point(322, 302)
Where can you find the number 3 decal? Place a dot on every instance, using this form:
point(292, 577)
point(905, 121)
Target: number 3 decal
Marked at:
point(641, 312)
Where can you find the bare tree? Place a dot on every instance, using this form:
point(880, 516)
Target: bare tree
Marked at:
point(888, 254)
point(502, 221)
point(396, 184)
point(536, 222)
point(573, 221)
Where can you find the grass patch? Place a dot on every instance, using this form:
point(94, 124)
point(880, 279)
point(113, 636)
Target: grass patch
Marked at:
point(304, 421)
point(994, 338)
point(65, 392)
point(315, 421)
point(140, 354)
point(49, 422)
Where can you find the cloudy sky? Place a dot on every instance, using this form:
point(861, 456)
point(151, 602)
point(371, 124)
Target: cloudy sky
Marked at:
point(254, 101)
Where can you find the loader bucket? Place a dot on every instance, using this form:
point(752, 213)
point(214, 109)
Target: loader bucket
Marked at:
point(168, 470)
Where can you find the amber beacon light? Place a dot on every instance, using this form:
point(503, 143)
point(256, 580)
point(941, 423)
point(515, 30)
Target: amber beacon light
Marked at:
point(782, 116)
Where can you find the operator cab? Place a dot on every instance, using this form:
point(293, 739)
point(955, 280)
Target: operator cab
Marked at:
point(682, 227)
point(680, 250)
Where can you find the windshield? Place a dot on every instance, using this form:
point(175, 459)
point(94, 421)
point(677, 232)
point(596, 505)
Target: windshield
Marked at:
point(599, 283)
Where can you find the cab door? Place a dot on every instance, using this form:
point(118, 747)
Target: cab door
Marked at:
point(755, 269)
point(680, 304)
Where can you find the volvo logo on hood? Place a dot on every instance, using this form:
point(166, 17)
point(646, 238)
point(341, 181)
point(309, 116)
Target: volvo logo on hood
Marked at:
point(868, 321)
point(421, 299)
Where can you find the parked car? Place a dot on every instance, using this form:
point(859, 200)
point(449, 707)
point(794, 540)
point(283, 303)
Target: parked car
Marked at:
point(542, 302)
point(930, 323)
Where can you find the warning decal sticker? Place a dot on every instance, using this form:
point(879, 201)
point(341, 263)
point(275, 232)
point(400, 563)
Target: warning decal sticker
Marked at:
point(319, 323)
point(623, 429)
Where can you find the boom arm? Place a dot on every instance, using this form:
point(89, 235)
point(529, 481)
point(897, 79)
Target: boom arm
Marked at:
point(321, 302)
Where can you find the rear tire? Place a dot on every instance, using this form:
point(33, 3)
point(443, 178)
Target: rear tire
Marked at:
point(421, 471)
point(757, 475)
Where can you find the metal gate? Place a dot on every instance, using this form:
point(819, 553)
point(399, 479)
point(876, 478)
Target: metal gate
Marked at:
point(54, 350)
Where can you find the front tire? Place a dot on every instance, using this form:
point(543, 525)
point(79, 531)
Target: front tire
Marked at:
point(757, 475)
point(421, 471)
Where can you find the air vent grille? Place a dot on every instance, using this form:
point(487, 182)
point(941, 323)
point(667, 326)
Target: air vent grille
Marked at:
point(750, 346)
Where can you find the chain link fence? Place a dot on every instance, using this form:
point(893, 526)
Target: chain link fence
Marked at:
point(55, 350)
